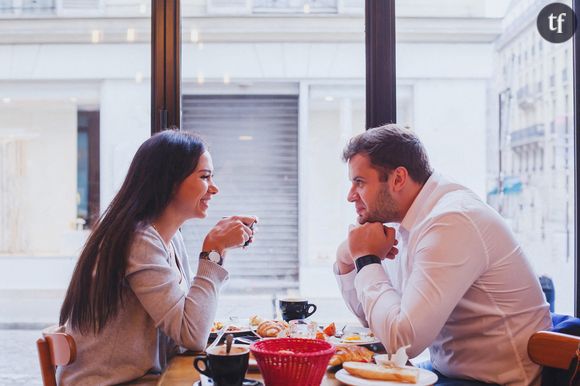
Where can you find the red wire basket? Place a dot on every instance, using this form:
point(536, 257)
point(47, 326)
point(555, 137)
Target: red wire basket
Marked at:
point(292, 361)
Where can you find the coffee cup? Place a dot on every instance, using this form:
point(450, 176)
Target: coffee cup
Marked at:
point(296, 308)
point(223, 368)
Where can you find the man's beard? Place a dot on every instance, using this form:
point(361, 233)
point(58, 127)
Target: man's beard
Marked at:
point(385, 209)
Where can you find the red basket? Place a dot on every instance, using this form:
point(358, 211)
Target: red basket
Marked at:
point(304, 366)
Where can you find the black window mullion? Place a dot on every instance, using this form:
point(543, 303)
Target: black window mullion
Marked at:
point(381, 81)
point(576, 80)
point(165, 64)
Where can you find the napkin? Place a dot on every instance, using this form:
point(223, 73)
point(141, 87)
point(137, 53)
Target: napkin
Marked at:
point(398, 359)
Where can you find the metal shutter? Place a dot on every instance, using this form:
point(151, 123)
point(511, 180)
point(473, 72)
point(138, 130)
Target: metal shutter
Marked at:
point(255, 176)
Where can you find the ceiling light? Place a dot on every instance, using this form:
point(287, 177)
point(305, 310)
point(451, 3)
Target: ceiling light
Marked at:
point(194, 36)
point(130, 34)
point(96, 36)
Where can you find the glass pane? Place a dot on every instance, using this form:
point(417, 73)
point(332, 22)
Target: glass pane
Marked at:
point(277, 88)
point(486, 81)
point(74, 107)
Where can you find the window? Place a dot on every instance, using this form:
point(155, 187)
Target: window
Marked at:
point(277, 99)
point(452, 107)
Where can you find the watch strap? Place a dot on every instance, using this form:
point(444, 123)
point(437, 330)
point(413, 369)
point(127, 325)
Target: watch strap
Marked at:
point(205, 256)
point(366, 260)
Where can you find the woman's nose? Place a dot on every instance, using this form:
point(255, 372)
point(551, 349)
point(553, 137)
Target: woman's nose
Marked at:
point(213, 189)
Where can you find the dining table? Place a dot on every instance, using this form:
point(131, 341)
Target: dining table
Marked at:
point(180, 372)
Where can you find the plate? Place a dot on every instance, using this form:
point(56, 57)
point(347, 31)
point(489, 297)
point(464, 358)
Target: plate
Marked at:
point(247, 382)
point(365, 335)
point(426, 378)
point(243, 331)
point(363, 341)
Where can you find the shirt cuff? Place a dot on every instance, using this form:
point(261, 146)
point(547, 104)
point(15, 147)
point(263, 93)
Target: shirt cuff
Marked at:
point(369, 275)
point(212, 271)
point(346, 281)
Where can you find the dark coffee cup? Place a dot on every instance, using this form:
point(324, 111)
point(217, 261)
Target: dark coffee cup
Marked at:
point(224, 369)
point(293, 308)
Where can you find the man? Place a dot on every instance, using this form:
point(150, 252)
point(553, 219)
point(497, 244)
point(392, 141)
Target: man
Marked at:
point(460, 285)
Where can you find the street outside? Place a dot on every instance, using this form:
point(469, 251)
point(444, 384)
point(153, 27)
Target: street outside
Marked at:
point(18, 358)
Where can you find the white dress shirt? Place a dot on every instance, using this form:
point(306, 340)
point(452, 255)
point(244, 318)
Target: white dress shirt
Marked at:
point(460, 285)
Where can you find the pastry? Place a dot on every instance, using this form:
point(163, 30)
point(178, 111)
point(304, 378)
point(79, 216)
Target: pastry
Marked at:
point(255, 320)
point(271, 328)
point(351, 354)
point(378, 372)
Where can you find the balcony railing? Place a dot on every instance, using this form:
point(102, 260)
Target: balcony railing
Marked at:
point(528, 135)
point(31, 8)
point(295, 6)
point(27, 7)
point(285, 6)
point(525, 98)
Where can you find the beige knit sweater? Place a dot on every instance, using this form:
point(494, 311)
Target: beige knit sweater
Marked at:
point(156, 318)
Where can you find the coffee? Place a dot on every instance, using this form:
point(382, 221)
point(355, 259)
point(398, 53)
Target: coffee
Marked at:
point(221, 350)
point(223, 368)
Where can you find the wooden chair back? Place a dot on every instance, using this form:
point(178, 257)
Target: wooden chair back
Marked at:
point(54, 349)
point(552, 349)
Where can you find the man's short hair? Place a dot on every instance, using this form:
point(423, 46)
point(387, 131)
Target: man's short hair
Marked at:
point(389, 147)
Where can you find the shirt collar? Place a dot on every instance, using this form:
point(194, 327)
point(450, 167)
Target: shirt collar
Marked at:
point(420, 202)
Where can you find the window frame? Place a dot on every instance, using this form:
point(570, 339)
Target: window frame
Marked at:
point(380, 86)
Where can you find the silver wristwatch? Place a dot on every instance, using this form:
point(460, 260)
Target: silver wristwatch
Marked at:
point(213, 256)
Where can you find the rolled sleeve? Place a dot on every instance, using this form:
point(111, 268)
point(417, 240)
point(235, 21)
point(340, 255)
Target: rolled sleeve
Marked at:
point(184, 317)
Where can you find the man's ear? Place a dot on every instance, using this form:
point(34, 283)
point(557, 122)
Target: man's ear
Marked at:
point(399, 178)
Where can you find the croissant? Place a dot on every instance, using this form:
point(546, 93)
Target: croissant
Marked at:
point(271, 328)
point(255, 320)
point(351, 354)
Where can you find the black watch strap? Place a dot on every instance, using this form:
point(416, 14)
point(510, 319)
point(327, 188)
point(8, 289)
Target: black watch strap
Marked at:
point(366, 260)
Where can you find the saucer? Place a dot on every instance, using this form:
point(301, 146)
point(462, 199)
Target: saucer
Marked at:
point(247, 382)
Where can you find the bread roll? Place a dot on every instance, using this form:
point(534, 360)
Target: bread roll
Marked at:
point(351, 354)
point(378, 372)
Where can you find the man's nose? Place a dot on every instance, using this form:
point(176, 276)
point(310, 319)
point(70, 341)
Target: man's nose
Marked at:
point(352, 195)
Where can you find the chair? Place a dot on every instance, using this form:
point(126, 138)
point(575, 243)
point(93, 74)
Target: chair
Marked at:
point(54, 349)
point(557, 351)
point(552, 349)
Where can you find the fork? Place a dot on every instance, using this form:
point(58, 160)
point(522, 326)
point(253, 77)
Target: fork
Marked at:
point(340, 334)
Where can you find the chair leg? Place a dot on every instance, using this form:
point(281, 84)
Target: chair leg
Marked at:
point(46, 368)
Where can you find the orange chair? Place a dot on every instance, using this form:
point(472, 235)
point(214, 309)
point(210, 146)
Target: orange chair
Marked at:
point(552, 349)
point(54, 349)
point(559, 354)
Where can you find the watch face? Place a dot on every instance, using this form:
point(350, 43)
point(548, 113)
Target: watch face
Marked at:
point(214, 256)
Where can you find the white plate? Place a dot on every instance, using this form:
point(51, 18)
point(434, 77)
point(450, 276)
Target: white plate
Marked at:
point(364, 340)
point(426, 378)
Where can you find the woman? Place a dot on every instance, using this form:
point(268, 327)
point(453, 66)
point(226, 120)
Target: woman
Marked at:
point(132, 299)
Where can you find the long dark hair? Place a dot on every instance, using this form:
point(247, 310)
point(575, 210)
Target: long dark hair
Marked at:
point(95, 292)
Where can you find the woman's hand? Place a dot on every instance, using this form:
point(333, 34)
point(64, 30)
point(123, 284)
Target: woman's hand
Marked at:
point(228, 233)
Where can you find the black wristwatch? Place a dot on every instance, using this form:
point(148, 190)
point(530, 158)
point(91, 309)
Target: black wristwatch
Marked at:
point(213, 256)
point(366, 260)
